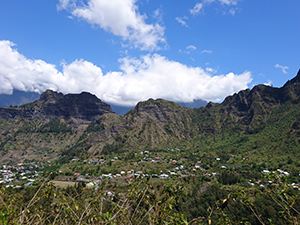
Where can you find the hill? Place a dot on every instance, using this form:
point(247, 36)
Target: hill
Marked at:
point(260, 123)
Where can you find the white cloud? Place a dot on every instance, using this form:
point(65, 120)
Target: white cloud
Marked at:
point(229, 2)
point(206, 51)
point(181, 21)
point(269, 83)
point(210, 70)
point(158, 14)
point(188, 49)
point(200, 6)
point(18, 72)
point(120, 17)
point(283, 68)
point(196, 9)
point(232, 11)
point(207, 1)
point(151, 76)
point(191, 47)
point(63, 4)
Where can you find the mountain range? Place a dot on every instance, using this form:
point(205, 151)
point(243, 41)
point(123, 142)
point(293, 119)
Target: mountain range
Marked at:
point(18, 98)
point(263, 122)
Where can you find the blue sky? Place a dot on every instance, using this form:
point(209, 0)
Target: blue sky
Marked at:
point(126, 51)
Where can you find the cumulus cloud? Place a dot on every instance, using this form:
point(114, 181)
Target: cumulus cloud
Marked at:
point(18, 72)
point(283, 68)
point(151, 76)
point(120, 17)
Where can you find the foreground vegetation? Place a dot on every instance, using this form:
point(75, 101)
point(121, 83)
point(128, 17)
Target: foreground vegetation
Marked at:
point(151, 202)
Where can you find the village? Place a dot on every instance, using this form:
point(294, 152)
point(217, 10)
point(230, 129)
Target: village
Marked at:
point(33, 173)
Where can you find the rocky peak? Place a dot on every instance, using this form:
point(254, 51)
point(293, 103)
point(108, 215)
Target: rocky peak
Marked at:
point(82, 108)
point(291, 89)
point(158, 110)
point(50, 96)
point(296, 79)
point(248, 107)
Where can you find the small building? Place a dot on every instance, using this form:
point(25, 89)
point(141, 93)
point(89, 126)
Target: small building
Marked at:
point(164, 176)
point(265, 172)
point(90, 184)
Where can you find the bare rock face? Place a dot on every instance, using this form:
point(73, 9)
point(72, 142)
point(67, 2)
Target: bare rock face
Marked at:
point(83, 107)
point(161, 111)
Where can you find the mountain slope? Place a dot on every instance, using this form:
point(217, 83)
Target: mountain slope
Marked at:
point(77, 109)
point(82, 125)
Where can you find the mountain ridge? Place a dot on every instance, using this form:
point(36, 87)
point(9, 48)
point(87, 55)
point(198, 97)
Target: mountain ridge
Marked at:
point(84, 107)
point(90, 127)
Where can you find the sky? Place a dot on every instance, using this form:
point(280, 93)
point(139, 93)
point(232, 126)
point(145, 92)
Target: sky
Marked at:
point(126, 51)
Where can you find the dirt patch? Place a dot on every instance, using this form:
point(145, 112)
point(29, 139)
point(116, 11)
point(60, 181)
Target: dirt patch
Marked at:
point(59, 183)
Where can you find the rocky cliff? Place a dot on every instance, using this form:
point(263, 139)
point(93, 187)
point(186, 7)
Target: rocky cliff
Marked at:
point(74, 108)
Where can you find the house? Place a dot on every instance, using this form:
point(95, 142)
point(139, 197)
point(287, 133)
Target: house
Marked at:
point(283, 172)
point(90, 184)
point(27, 184)
point(164, 176)
point(265, 171)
